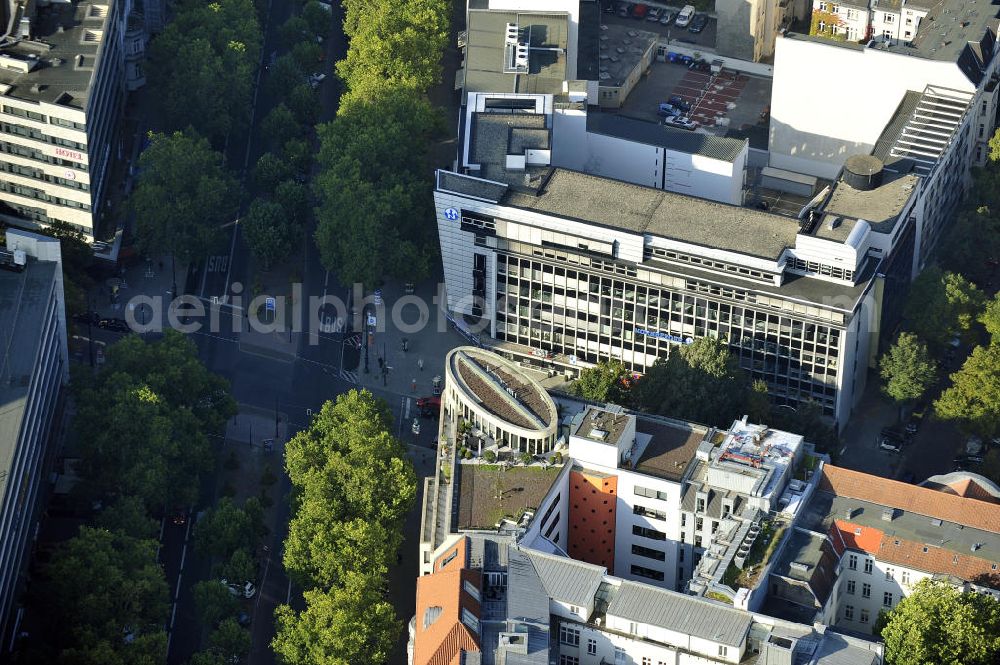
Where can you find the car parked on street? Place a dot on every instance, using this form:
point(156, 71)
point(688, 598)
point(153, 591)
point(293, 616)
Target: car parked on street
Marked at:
point(639, 11)
point(891, 445)
point(248, 590)
point(654, 14)
point(668, 17)
point(680, 123)
point(698, 23)
point(624, 9)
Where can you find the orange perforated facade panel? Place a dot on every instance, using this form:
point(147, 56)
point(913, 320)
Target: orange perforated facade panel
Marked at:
point(592, 499)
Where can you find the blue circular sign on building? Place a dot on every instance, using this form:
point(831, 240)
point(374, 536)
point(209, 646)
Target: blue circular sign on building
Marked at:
point(451, 214)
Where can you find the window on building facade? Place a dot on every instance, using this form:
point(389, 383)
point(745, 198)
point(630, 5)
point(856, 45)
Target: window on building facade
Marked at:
point(646, 532)
point(574, 610)
point(646, 660)
point(699, 524)
point(591, 647)
point(821, 26)
point(569, 635)
point(889, 18)
point(865, 616)
point(887, 599)
point(822, 6)
point(887, 34)
point(868, 566)
point(568, 660)
point(697, 541)
point(850, 587)
point(648, 573)
point(648, 552)
point(905, 577)
point(699, 505)
point(723, 651)
point(889, 573)
point(866, 590)
point(849, 612)
point(852, 561)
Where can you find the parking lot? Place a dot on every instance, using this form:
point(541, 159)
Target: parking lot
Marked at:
point(737, 102)
point(705, 38)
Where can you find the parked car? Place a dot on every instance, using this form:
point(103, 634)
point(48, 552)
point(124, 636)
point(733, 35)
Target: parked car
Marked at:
point(891, 445)
point(974, 446)
point(624, 9)
point(669, 111)
point(679, 102)
point(654, 14)
point(698, 23)
point(893, 433)
point(668, 17)
point(639, 11)
point(684, 16)
point(116, 325)
point(316, 79)
point(680, 123)
point(248, 590)
point(88, 318)
point(415, 428)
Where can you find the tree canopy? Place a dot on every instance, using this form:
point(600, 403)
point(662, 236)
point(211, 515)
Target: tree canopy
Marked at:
point(343, 524)
point(211, 87)
point(937, 623)
point(973, 399)
point(106, 600)
point(144, 421)
point(372, 189)
point(183, 196)
point(269, 233)
point(604, 382)
point(227, 528)
point(351, 624)
point(699, 381)
point(339, 509)
point(907, 369)
point(941, 304)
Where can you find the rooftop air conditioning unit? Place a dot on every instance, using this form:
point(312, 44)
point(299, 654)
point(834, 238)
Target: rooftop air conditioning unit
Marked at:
point(521, 56)
point(512, 33)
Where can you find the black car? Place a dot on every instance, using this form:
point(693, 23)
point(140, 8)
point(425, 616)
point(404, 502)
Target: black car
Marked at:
point(680, 102)
point(88, 318)
point(698, 23)
point(115, 325)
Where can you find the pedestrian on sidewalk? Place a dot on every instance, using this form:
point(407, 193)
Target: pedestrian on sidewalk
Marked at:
point(413, 386)
point(420, 364)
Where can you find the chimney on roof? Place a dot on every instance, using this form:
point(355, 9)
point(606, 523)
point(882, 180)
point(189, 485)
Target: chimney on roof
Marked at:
point(848, 513)
point(888, 514)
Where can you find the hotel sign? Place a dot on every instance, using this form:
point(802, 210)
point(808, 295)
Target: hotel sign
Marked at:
point(69, 154)
point(666, 336)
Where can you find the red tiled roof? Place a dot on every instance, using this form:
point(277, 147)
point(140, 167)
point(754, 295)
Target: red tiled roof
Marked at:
point(911, 498)
point(909, 553)
point(855, 536)
point(445, 637)
point(968, 488)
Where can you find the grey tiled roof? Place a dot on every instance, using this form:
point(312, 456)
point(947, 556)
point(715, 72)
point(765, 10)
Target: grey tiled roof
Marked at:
point(674, 611)
point(567, 580)
point(639, 209)
point(470, 186)
point(652, 133)
point(527, 609)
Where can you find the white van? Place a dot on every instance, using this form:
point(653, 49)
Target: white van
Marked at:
point(685, 16)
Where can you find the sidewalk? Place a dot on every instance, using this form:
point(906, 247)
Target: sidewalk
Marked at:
point(410, 372)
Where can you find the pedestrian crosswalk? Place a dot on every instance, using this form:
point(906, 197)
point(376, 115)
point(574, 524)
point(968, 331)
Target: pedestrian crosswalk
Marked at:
point(349, 376)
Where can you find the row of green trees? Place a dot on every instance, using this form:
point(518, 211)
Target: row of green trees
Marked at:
point(701, 382)
point(202, 67)
point(144, 425)
point(352, 488)
point(374, 208)
point(276, 220)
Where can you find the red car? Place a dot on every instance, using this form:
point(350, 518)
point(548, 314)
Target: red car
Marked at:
point(639, 11)
point(429, 403)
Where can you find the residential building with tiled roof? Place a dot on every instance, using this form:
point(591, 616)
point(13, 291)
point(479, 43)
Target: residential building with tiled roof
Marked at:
point(880, 538)
point(541, 607)
point(446, 625)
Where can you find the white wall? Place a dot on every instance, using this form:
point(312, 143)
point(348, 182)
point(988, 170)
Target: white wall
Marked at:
point(642, 164)
point(829, 102)
point(625, 519)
